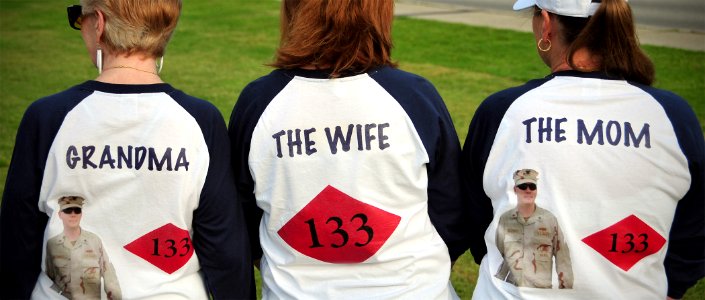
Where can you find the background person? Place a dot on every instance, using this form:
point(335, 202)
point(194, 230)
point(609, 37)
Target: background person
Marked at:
point(76, 259)
point(153, 160)
point(529, 237)
point(629, 159)
point(353, 163)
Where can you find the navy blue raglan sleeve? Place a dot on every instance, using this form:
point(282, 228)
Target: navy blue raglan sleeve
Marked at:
point(250, 105)
point(219, 232)
point(476, 150)
point(685, 257)
point(22, 224)
point(446, 202)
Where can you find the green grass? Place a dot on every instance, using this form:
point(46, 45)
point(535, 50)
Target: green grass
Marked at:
point(221, 45)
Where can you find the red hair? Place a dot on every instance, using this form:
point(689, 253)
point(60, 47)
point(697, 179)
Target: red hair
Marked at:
point(338, 35)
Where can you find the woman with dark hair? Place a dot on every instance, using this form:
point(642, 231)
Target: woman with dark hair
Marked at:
point(153, 161)
point(623, 162)
point(350, 165)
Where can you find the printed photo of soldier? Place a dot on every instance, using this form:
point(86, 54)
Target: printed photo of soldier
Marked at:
point(76, 260)
point(529, 238)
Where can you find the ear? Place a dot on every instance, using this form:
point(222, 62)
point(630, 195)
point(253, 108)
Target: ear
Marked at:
point(99, 25)
point(546, 25)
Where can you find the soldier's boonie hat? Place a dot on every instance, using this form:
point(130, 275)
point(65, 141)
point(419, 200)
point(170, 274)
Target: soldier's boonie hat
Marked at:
point(70, 201)
point(525, 175)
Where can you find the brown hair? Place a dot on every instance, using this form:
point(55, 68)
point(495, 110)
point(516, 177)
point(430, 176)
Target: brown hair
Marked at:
point(339, 35)
point(136, 26)
point(610, 35)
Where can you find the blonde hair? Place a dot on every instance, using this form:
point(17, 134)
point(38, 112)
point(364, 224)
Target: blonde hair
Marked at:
point(136, 26)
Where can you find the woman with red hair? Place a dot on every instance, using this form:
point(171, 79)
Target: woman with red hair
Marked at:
point(350, 165)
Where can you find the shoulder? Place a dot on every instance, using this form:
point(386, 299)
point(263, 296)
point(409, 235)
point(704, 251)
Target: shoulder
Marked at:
point(499, 102)
point(275, 76)
point(259, 93)
point(208, 117)
point(545, 214)
point(270, 84)
point(683, 119)
point(490, 113)
point(396, 80)
point(55, 240)
point(195, 106)
point(675, 106)
point(91, 239)
point(415, 94)
point(509, 214)
point(89, 236)
point(59, 103)
point(395, 73)
point(665, 97)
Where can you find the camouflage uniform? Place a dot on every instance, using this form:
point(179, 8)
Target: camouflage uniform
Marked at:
point(528, 247)
point(77, 268)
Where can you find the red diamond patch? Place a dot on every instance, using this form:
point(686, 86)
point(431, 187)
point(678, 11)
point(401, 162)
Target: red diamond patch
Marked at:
point(626, 242)
point(168, 247)
point(337, 228)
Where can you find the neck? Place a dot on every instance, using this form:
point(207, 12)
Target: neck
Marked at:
point(526, 210)
point(72, 234)
point(131, 69)
point(316, 67)
point(583, 60)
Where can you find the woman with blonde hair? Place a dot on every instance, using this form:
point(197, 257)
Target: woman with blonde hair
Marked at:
point(153, 161)
point(623, 163)
point(350, 165)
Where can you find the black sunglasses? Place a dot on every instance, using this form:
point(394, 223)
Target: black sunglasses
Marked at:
point(70, 210)
point(75, 13)
point(523, 186)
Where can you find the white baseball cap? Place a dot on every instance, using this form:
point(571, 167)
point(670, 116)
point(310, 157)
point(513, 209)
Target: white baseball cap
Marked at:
point(569, 8)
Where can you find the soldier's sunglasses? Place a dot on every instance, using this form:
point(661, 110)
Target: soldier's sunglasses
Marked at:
point(75, 13)
point(524, 186)
point(72, 210)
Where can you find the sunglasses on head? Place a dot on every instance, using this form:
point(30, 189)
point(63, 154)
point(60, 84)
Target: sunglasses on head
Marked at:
point(75, 13)
point(524, 186)
point(72, 210)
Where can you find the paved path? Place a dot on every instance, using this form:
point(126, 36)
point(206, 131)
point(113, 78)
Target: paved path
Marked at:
point(520, 21)
point(686, 14)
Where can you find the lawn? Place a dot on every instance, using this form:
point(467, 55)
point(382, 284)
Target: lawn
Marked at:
point(222, 45)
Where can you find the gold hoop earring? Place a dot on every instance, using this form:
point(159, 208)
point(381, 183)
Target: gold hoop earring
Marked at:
point(544, 49)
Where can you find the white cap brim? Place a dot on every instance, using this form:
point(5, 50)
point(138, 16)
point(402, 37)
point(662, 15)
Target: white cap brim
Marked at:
point(523, 4)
